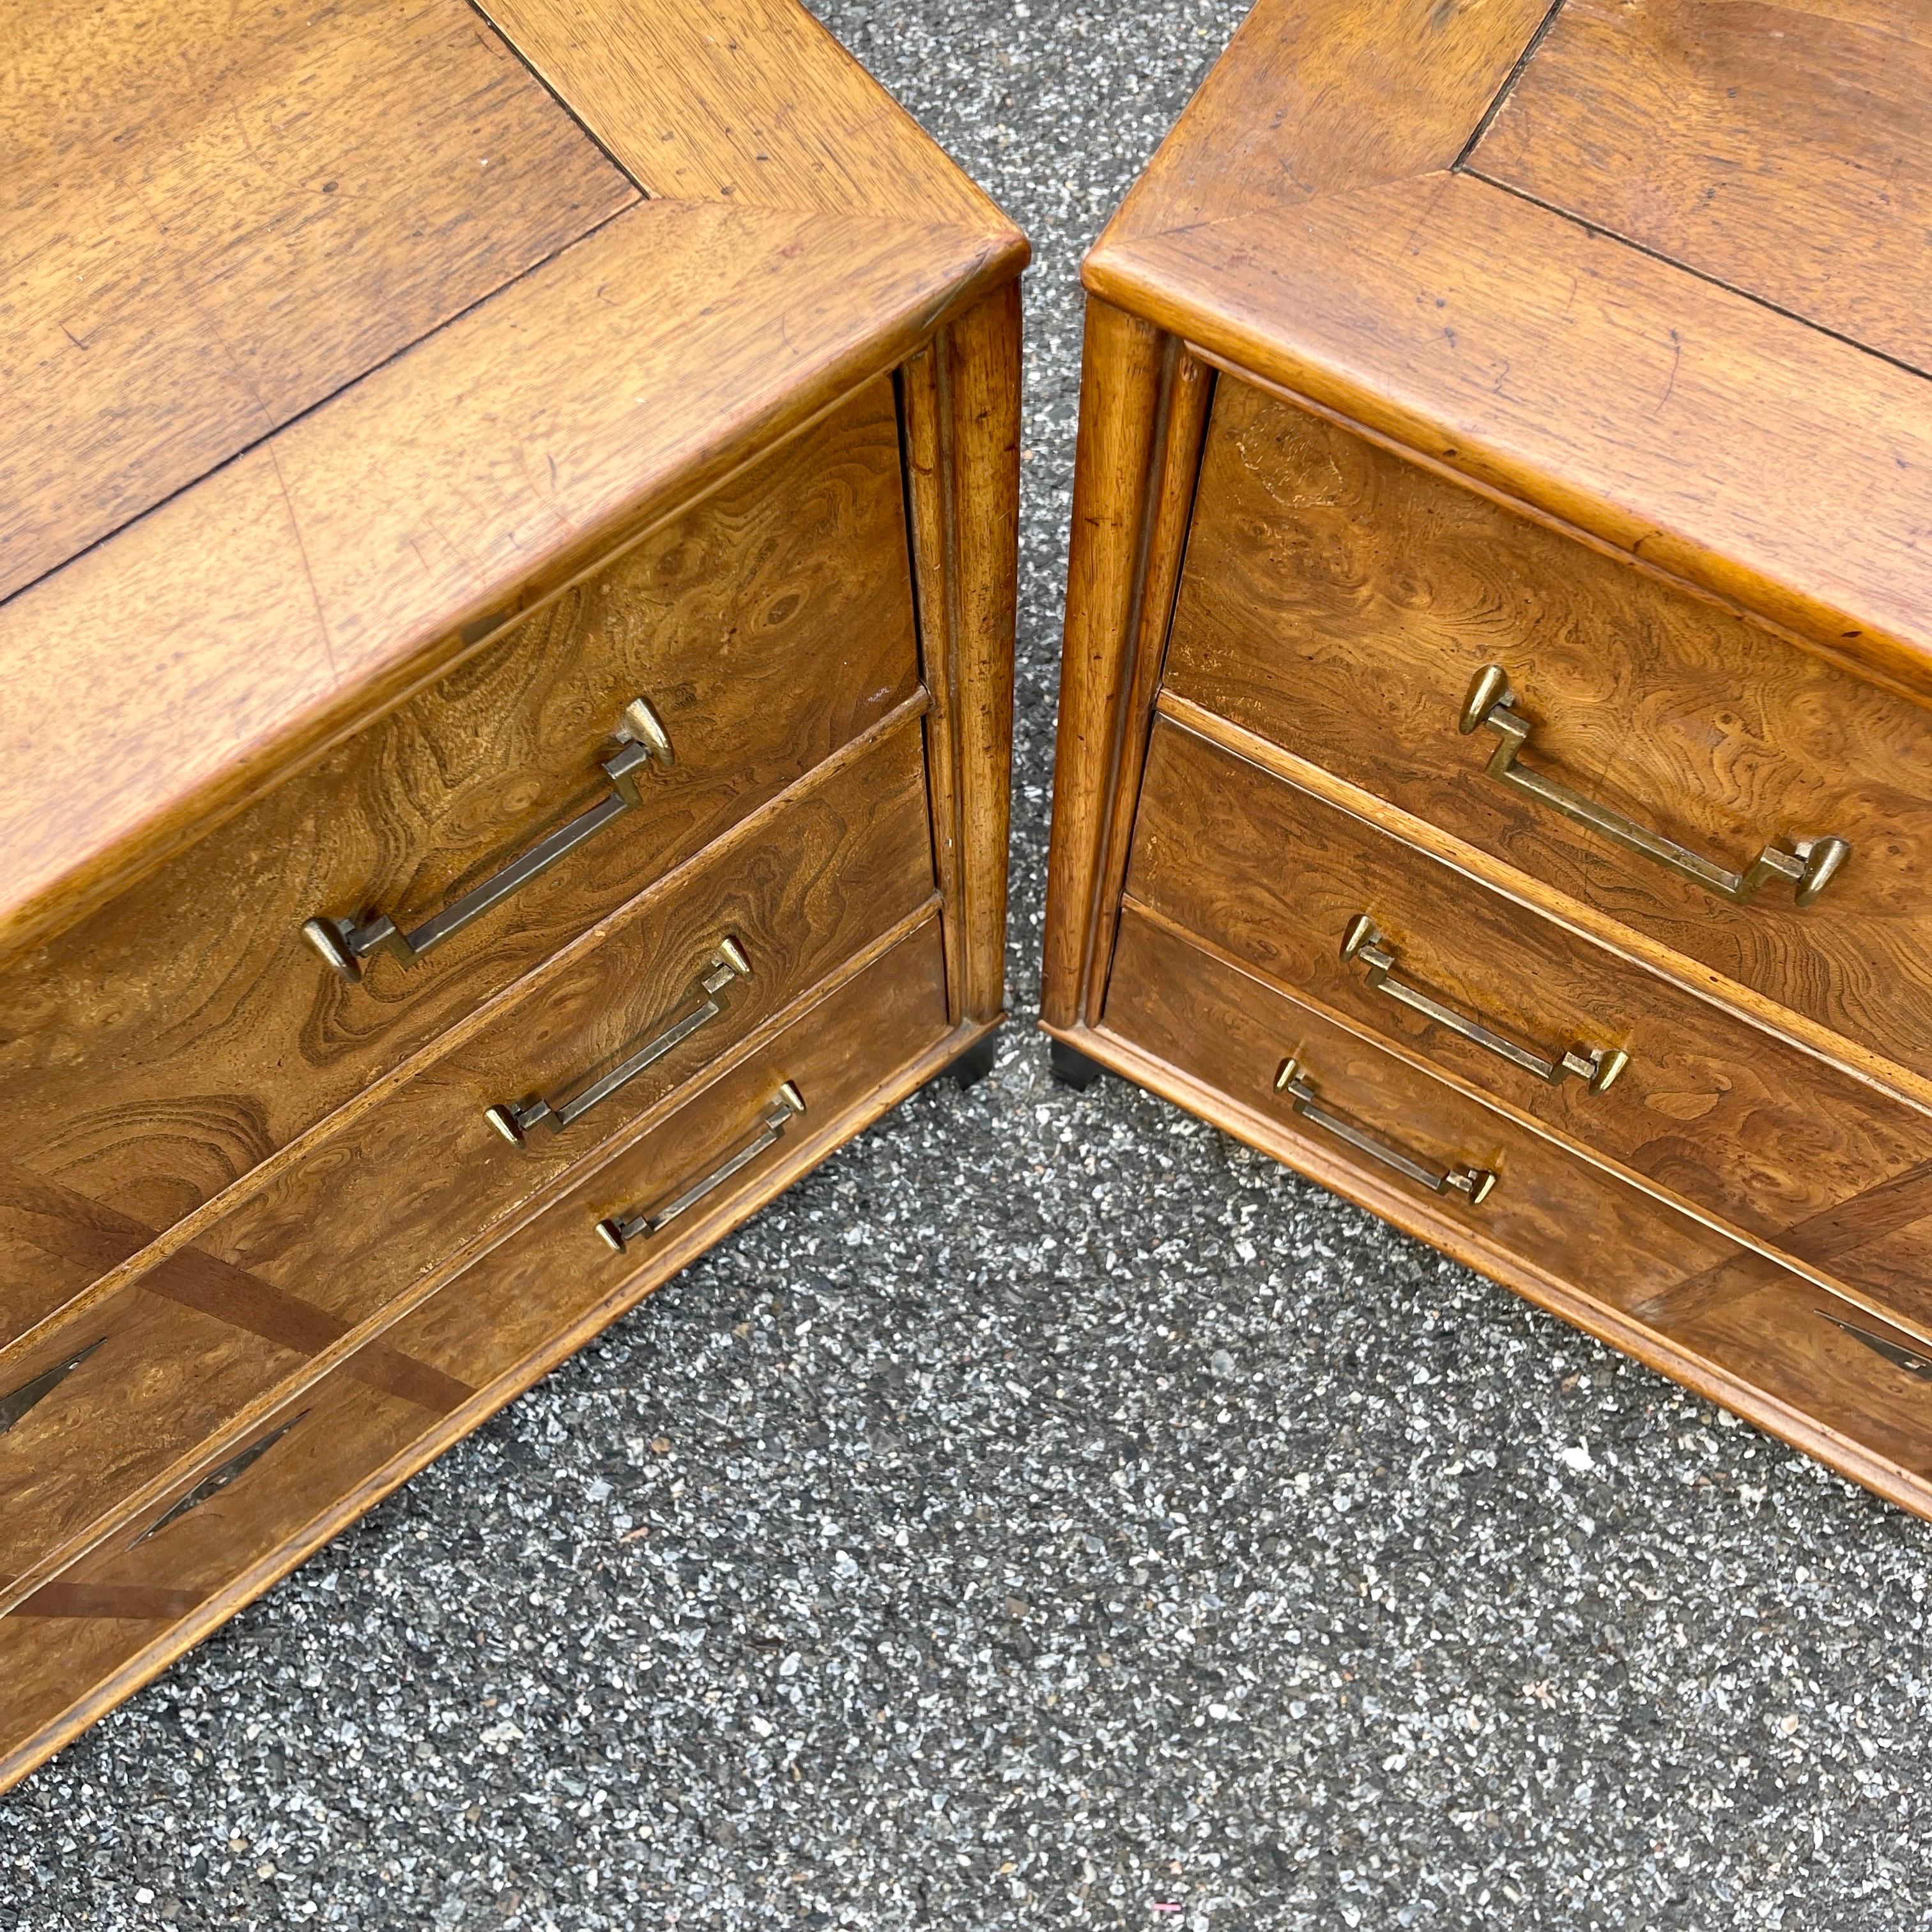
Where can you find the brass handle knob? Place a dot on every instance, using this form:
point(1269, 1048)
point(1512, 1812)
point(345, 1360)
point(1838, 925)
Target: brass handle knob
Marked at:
point(617, 1232)
point(1477, 1184)
point(1596, 1066)
point(726, 965)
point(1809, 866)
point(345, 942)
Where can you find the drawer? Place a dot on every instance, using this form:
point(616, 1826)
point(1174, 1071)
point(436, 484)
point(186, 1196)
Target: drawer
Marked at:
point(1820, 1370)
point(176, 1037)
point(1341, 601)
point(330, 1451)
point(1727, 1116)
point(1432, 1148)
point(694, 966)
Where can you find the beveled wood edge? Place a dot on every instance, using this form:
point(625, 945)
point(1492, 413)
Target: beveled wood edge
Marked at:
point(925, 460)
point(310, 735)
point(486, 1012)
point(1124, 362)
point(1703, 544)
point(1464, 1243)
point(242, 1426)
point(1388, 89)
point(961, 421)
point(1843, 1056)
point(669, 1261)
point(1187, 395)
point(1818, 1275)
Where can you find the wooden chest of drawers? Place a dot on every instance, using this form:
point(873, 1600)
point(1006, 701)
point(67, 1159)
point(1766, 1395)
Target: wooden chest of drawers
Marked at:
point(506, 601)
point(1495, 769)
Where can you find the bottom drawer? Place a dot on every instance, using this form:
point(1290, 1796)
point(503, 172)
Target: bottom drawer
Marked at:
point(1232, 1032)
point(1809, 1366)
point(110, 1620)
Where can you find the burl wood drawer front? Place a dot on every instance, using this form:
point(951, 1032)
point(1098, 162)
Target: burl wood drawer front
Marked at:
point(697, 963)
point(1341, 601)
point(1727, 1116)
point(175, 1038)
point(471, 1346)
point(1221, 1027)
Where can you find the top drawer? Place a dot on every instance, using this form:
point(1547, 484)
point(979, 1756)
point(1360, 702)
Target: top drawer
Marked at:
point(1340, 602)
point(181, 1033)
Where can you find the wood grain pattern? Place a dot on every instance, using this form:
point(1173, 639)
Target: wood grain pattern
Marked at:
point(883, 1023)
point(1777, 1340)
point(164, 1379)
point(363, 663)
point(105, 1447)
point(1739, 448)
point(554, 1273)
point(962, 404)
point(184, 1032)
point(192, 262)
point(356, 1222)
point(1724, 1115)
point(1337, 601)
point(54, 1242)
point(1231, 1032)
point(1777, 149)
point(1187, 388)
point(1787, 1338)
point(798, 123)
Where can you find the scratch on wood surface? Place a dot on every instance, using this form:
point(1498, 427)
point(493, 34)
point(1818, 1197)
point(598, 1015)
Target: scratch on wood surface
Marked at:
point(1676, 362)
point(301, 551)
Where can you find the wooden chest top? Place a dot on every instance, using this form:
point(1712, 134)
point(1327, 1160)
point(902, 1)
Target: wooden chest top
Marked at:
point(333, 337)
point(1657, 268)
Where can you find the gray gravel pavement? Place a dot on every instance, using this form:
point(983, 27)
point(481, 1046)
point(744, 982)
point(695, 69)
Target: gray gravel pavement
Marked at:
point(1050, 1513)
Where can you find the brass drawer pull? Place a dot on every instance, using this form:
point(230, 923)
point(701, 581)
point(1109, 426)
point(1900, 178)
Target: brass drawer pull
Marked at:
point(1809, 865)
point(217, 1481)
point(727, 963)
point(620, 1230)
point(1598, 1067)
point(15, 1404)
point(1475, 1182)
point(1918, 1366)
point(345, 942)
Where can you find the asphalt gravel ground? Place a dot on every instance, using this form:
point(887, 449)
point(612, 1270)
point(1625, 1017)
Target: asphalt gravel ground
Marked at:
point(1050, 1513)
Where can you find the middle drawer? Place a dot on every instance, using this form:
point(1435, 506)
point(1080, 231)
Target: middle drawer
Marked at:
point(336, 1237)
point(1729, 1118)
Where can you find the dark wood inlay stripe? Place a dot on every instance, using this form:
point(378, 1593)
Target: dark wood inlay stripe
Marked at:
point(142, 1603)
point(86, 1229)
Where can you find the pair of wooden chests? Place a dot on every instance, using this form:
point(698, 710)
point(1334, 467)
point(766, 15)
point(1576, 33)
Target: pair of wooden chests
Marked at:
point(508, 679)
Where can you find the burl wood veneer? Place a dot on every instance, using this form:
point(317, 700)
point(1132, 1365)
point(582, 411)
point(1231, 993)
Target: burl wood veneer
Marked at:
point(1495, 774)
point(507, 538)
